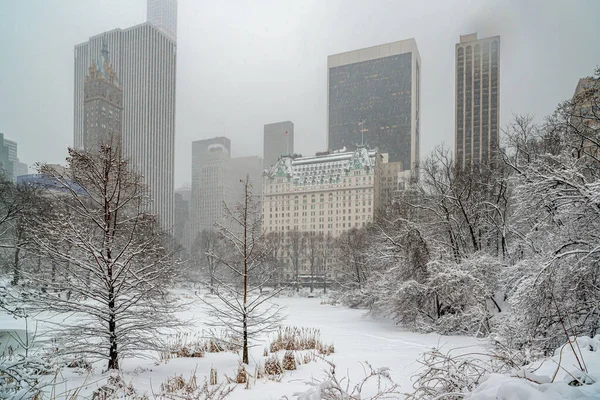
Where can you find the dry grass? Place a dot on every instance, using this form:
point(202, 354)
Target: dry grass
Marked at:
point(289, 361)
point(305, 358)
point(177, 387)
point(241, 376)
point(214, 377)
point(295, 338)
point(273, 366)
point(325, 349)
point(195, 345)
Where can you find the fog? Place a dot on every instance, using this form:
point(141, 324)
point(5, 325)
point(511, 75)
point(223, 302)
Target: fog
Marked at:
point(241, 66)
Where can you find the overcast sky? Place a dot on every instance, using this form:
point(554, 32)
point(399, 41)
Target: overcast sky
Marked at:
point(241, 64)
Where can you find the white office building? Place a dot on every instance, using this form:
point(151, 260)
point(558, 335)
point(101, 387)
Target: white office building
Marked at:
point(144, 59)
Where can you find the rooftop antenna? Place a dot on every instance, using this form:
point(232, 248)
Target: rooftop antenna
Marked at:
point(362, 132)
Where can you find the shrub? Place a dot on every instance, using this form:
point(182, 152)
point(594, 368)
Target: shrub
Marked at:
point(289, 361)
point(273, 366)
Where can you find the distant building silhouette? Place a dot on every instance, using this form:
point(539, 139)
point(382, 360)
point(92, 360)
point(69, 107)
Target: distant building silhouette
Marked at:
point(477, 100)
point(9, 160)
point(182, 215)
point(278, 140)
point(163, 15)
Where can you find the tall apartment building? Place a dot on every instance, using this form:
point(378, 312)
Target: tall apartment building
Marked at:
point(252, 166)
point(182, 215)
point(6, 166)
point(210, 184)
point(374, 99)
point(163, 15)
point(329, 193)
point(392, 180)
point(477, 99)
point(144, 58)
point(278, 140)
point(13, 167)
point(102, 104)
point(216, 182)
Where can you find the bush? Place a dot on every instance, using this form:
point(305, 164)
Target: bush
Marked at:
point(273, 366)
point(289, 361)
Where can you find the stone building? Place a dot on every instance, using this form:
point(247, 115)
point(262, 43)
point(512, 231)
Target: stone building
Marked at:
point(145, 60)
point(328, 193)
point(318, 198)
point(102, 104)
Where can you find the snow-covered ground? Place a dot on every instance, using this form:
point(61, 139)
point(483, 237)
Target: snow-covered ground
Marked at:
point(356, 336)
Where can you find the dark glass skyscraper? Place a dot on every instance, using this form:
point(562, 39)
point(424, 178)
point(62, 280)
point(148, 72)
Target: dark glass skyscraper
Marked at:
point(373, 98)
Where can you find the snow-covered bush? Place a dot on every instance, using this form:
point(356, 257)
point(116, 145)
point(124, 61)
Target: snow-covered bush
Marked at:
point(376, 384)
point(452, 375)
point(21, 376)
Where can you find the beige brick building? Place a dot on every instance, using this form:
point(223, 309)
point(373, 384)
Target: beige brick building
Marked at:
point(329, 193)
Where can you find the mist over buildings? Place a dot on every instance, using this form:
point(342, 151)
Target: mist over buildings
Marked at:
point(242, 66)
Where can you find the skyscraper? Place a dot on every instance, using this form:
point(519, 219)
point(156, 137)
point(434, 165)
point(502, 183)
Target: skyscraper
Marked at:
point(18, 168)
point(163, 15)
point(102, 104)
point(182, 215)
point(210, 184)
point(374, 99)
point(144, 59)
point(278, 140)
point(477, 99)
point(6, 166)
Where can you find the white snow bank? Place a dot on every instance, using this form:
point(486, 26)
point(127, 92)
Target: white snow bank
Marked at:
point(555, 378)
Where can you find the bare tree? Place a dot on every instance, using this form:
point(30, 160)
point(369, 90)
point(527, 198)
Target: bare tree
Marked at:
point(351, 269)
point(33, 203)
point(243, 307)
point(203, 250)
point(118, 269)
point(314, 243)
point(295, 241)
point(273, 268)
point(327, 250)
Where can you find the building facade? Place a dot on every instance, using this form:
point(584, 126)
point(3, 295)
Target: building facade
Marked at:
point(102, 104)
point(477, 100)
point(329, 194)
point(374, 99)
point(144, 58)
point(181, 228)
point(163, 15)
point(216, 183)
point(9, 159)
point(278, 140)
point(6, 164)
point(392, 181)
point(211, 185)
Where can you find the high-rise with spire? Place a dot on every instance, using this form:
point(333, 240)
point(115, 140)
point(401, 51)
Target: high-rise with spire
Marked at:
point(102, 104)
point(143, 58)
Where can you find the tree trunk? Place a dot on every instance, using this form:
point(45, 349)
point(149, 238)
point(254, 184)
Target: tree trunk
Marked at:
point(245, 316)
point(245, 348)
point(16, 267)
point(113, 355)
